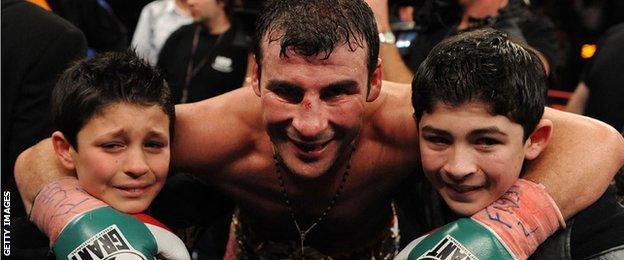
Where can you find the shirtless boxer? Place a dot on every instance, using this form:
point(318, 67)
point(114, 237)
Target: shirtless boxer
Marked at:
point(316, 126)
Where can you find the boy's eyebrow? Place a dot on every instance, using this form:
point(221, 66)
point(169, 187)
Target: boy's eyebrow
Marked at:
point(487, 130)
point(156, 133)
point(433, 130)
point(113, 133)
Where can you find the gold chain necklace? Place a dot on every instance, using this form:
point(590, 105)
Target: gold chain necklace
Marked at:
point(304, 232)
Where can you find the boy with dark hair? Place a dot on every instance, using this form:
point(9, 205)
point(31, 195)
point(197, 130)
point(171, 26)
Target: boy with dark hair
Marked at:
point(114, 118)
point(479, 99)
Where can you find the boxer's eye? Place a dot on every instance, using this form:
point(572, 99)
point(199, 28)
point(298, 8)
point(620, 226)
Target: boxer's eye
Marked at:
point(289, 93)
point(339, 89)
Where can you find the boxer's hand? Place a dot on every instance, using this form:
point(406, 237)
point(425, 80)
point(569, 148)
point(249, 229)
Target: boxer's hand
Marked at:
point(510, 228)
point(169, 245)
point(461, 239)
point(82, 227)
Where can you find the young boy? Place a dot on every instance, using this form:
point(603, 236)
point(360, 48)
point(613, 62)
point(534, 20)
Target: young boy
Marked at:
point(115, 118)
point(480, 97)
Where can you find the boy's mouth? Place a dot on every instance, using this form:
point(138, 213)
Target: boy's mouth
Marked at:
point(464, 188)
point(133, 191)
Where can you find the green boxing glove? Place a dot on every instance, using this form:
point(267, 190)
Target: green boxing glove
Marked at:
point(461, 239)
point(81, 227)
point(105, 233)
point(512, 227)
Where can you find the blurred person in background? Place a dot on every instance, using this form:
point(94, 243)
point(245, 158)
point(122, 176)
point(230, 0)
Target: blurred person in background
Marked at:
point(96, 19)
point(31, 63)
point(600, 93)
point(438, 20)
point(157, 21)
point(208, 57)
point(37, 46)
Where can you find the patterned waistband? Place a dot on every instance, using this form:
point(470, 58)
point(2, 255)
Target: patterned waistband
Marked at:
point(385, 246)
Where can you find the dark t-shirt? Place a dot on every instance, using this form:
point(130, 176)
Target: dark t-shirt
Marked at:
point(537, 31)
point(223, 70)
point(596, 232)
point(604, 76)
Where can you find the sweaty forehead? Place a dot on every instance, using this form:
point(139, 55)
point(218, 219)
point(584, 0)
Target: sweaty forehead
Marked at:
point(341, 54)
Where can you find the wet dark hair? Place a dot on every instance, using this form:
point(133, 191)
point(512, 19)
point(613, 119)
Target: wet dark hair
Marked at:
point(484, 65)
point(89, 85)
point(312, 27)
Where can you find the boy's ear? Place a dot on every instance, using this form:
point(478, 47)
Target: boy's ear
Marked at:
point(375, 83)
point(63, 149)
point(539, 139)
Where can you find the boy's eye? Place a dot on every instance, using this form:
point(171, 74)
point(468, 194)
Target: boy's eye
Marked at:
point(439, 140)
point(485, 141)
point(154, 145)
point(112, 146)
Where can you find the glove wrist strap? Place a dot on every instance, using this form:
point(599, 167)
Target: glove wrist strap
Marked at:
point(58, 203)
point(523, 218)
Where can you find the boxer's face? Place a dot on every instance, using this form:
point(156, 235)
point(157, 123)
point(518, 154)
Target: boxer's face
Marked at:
point(123, 155)
point(313, 108)
point(470, 156)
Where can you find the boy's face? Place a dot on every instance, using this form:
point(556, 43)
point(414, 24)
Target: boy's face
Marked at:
point(123, 155)
point(470, 156)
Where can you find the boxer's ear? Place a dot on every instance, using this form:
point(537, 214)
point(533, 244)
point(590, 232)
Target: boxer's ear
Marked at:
point(375, 83)
point(63, 149)
point(255, 77)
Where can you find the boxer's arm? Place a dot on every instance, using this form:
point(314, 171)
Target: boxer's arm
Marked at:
point(580, 161)
point(393, 67)
point(35, 168)
point(211, 134)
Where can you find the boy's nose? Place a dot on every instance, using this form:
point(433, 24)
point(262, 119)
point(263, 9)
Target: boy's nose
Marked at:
point(459, 165)
point(135, 163)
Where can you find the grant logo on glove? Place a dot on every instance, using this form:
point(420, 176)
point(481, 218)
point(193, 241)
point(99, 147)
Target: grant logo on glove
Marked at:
point(110, 243)
point(448, 248)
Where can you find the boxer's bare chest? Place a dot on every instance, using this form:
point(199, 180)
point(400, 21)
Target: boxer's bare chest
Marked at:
point(360, 210)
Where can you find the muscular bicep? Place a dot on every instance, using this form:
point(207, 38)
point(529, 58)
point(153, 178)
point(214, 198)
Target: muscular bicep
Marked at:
point(211, 134)
point(579, 162)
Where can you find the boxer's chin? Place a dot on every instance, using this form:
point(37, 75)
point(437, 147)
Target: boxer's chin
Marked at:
point(306, 162)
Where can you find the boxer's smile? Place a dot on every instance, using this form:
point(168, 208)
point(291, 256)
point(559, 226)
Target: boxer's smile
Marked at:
point(312, 121)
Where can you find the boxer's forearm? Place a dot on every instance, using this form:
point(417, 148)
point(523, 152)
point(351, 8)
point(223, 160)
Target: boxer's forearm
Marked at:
point(394, 69)
point(580, 161)
point(35, 168)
